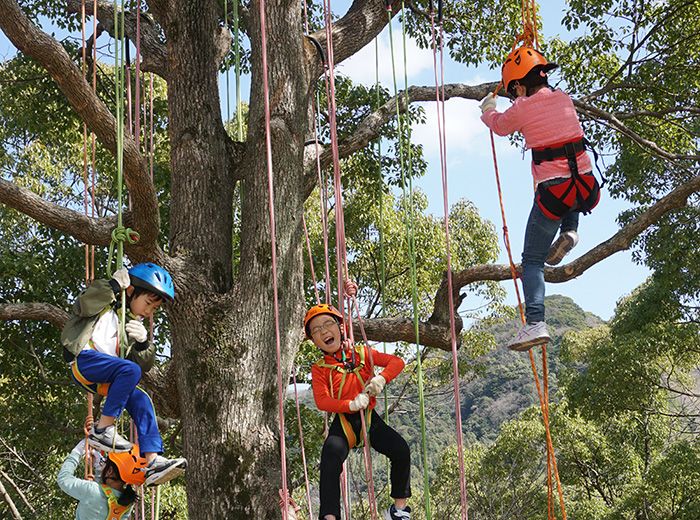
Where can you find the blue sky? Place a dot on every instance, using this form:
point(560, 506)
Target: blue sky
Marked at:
point(470, 164)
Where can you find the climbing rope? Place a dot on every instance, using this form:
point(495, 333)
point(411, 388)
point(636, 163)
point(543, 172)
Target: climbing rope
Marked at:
point(89, 250)
point(410, 240)
point(440, 103)
point(529, 38)
point(271, 201)
point(342, 262)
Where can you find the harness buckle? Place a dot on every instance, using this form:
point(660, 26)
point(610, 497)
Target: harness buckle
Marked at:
point(570, 149)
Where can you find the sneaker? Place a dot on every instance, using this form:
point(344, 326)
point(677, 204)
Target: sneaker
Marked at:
point(108, 440)
point(561, 246)
point(162, 470)
point(397, 514)
point(528, 336)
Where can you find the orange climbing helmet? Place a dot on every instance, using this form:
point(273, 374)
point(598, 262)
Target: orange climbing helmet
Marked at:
point(317, 310)
point(131, 466)
point(520, 62)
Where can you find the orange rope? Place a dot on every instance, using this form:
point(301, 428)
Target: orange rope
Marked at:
point(529, 38)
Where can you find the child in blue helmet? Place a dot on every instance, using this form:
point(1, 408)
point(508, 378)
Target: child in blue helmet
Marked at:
point(101, 363)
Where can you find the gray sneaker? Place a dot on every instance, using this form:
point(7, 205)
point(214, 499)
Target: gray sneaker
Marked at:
point(162, 470)
point(109, 440)
point(528, 336)
point(561, 247)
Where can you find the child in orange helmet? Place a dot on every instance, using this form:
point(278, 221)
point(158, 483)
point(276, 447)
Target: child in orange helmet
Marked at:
point(344, 383)
point(112, 495)
point(561, 169)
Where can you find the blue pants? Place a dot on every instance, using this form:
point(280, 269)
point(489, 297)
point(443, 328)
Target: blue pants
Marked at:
point(539, 235)
point(123, 376)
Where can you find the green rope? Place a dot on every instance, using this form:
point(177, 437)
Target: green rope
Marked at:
point(410, 239)
point(157, 503)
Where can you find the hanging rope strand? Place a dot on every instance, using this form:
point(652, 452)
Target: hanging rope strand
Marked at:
point(271, 202)
point(408, 220)
point(528, 36)
point(440, 103)
point(301, 439)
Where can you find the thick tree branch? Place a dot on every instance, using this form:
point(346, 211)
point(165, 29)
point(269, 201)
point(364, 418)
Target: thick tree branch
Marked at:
point(33, 311)
point(153, 50)
point(402, 329)
point(369, 128)
point(88, 230)
point(52, 56)
point(620, 241)
point(364, 20)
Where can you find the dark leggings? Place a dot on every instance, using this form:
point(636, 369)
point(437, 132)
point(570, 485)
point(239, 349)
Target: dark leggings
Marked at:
point(382, 438)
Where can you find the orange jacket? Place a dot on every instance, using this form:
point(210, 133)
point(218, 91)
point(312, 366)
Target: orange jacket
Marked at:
point(328, 381)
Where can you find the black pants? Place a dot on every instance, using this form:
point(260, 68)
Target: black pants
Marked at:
point(382, 438)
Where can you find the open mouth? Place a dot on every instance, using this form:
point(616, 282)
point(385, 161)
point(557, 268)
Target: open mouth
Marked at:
point(329, 340)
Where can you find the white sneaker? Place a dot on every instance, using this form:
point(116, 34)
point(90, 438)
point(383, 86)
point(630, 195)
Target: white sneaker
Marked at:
point(108, 440)
point(561, 247)
point(162, 470)
point(528, 336)
point(397, 514)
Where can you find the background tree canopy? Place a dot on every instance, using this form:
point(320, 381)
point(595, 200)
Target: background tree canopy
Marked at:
point(624, 427)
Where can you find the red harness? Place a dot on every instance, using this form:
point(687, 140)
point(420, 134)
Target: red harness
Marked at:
point(582, 190)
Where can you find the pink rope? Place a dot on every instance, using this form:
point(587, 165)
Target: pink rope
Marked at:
point(268, 143)
point(311, 265)
point(440, 99)
point(340, 231)
point(301, 441)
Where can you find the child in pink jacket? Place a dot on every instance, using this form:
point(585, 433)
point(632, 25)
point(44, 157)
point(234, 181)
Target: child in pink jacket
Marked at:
point(561, 169)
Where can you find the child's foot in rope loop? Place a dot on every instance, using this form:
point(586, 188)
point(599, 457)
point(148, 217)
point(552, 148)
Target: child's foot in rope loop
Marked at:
point(530, 335)
point(108, 440)
point(561, 247)
point(397, 514)
point(162, 470)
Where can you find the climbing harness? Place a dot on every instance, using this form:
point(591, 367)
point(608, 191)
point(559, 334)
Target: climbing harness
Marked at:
point(116, 512)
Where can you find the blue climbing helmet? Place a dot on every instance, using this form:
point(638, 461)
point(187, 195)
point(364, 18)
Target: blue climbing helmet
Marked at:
point(153, 278)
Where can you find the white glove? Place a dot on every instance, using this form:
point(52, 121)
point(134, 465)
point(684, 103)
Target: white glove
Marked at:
point(488, 103)
point(123, 279)
point(375, 386)
point(80, 448)
point(136, 330)
point(359, 403)
point(97, 461)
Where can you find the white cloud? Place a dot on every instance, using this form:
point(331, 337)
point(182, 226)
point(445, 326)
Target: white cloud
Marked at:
point(362, 66)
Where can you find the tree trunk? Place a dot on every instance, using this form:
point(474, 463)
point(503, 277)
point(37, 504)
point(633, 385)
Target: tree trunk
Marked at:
point(223, 332)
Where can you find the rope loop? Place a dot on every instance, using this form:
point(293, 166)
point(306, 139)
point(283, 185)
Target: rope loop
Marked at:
point(124, 234)
point(350, 288)
point(528, 35)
